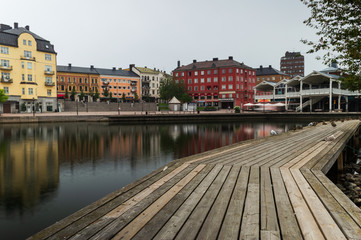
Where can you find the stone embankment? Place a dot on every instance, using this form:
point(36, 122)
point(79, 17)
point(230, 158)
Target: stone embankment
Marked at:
point(349, 182)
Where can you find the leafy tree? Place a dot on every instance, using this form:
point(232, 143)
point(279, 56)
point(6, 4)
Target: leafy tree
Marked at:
point(82, 95)
point(3, 97)
point(169, 88)
point(123, 97)
point(106, 92)
point(338, 25)
point(72, 94)
point(96, 94)
point(110, 95)
point(66, 93)
point(136, 97)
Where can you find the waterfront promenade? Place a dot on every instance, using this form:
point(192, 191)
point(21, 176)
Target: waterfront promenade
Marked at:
point(271, 188)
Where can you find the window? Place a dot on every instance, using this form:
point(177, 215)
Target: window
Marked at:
point(215, 79)
point(237, 79)
point(230, 70)
point(73, 79)
point(230, 86)
point(215, 71)
point(209, 72)
point(49, 93)
point(189, 88)
point(23, 77)
point(195, 80)
point(30, 65)
point(182, 75)
point(202, 80)
point(5, 75)
point(224, 87)
point(6, 90)
point(223, 70)
point(195, 88)
point(30, 91)
point(81, 80)
point(195, 73)
point(48, 68)
point(62, 87)
point(24, 42)
point(4, 50)
point(69, 79)
point(5, 63)
point(48, 80)
point(23, 91)
point(230, 79)
point(29, 43)
point(22, 65)
point(202, 73)
point(47, 57)
point(30, 77)
point(27, 54)
point(223, 79)
point(237, 86)
point(241, 87)
point(237, 70)
point(202, 88)
point(209, 80)
point(189, 81)
point(176, 74)
point(62, 79)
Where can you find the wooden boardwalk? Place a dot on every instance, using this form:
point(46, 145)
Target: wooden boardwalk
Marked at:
point(272, 188)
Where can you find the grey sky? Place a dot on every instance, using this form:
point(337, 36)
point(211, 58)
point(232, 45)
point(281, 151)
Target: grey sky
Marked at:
point(158, 33)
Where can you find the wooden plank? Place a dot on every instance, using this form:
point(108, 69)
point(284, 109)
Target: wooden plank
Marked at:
point(171, 228)
point(325, 222)
point(348, 226)
point(213, 222)
point(269, 222)
point(232, 221)
point(286, 216)
point(80, 219)
point(250, 220)
point(131, 229)
point(193, 224)
point(307, 223)
point(105, 226)
point(158, 221)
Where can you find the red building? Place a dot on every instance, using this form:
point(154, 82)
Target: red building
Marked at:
point(222, 83)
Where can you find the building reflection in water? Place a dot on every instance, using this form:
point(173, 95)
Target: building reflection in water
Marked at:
point(29, 168)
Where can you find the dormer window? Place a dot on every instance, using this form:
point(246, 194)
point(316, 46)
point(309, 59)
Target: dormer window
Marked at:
point(46, 46)
point(24, 42)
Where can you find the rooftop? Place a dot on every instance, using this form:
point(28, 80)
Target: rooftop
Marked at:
point(263, 71)
point(215, 63)
point(99, 71)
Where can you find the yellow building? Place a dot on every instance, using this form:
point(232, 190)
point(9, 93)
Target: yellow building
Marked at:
point(28, 70)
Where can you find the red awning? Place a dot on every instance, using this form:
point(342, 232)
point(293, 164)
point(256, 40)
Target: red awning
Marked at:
point(61, 95)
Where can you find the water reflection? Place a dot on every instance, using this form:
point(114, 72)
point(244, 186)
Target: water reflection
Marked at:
point(49, 171)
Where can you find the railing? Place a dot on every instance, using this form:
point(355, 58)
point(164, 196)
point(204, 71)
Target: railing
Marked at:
point(27, 58)
point(6, 68)
point(49, 72)
point(50, 84)
point(3, 80)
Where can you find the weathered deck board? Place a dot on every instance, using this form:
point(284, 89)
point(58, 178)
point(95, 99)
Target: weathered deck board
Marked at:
point(271, 188)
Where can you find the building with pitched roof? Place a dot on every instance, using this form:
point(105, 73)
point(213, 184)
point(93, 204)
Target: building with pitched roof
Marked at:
point(78, 79)
point(270, 74)
point(150, 81)
point(28, 70)
point(222, 83)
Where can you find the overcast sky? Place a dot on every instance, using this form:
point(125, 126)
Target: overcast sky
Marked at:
point(158, 33)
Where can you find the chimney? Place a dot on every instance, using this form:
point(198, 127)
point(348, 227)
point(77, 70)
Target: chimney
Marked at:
point(261, 67)
point(27, 27)
point(114, 68)
point(215, 59)
point(91, 67)
point(69, 65)
point(16, 25)
point(178, 63)
point(131, 66)
point(194, 60)
point(230, 58)
point(155, 69)
point(270, 66)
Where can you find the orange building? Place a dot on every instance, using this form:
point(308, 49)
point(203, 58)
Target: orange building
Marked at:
point(80, 79)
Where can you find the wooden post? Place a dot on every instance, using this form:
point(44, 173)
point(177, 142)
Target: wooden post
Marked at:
point(340, 162)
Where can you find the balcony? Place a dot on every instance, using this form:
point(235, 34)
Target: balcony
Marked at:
point(133, 84)
point(134, 90)
point(9, 80)
point(6, 68)
point(49, 84)
point(27, 58)
point(49, 72)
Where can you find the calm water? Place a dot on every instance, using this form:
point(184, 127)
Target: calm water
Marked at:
point(49, 171)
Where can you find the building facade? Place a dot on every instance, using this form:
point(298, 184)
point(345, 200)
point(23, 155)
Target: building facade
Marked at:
point(28, 70)
point(150, 81)
point(78, 79)
point(293, 64)
point(269, 74)
point(120, 83)
point(221, 83)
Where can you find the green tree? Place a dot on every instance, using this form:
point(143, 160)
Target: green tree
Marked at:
point(106, 92)
point(169, 88)
point(66, 93)
point(136, 97)
point(82, 95)
point(123, 97)
point(110, 95)
point(338, 25)
point(96, 94)
point(3, 96)
point(72, 94)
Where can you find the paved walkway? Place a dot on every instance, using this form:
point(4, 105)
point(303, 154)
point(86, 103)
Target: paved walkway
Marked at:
point(271, 188)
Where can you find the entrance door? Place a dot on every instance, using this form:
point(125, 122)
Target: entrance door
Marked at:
point(7, 107)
